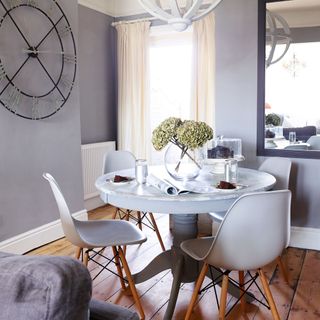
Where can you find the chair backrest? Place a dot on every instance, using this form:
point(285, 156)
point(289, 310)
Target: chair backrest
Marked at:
point(314, 142)
point(254, 231)
point(296, 147)
point(118, 160)
point(280, 168)
point(67, 221)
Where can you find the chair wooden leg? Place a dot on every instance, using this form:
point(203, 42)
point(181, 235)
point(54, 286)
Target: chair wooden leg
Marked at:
point(139, 220)
point(119, 270)
point(283, 270)
point(196, 290)
point(154, 224)
point(127, 217)
point(268, 293)
point(131, 283)
point(114, 215)
point(85, 257)
point(241, 283)
point(223, 297)
point(78, 253)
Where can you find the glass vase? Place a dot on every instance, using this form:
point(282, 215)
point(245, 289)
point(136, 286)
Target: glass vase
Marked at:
point(184, 165)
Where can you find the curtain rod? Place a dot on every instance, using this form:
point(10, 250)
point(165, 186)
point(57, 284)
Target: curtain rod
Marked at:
point(132, 21)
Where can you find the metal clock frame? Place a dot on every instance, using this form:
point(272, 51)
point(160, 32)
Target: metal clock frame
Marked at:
point(33, 52)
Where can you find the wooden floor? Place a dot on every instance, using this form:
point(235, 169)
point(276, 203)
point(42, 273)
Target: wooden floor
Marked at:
point(300, 300)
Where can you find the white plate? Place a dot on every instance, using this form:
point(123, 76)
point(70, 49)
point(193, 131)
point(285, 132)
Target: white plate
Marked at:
point(223, 160)
point(238, 187)
point(130, 179)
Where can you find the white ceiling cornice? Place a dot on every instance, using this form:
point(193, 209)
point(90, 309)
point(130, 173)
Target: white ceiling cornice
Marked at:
point(104, 6)
point(114, 8)
point(128, 8)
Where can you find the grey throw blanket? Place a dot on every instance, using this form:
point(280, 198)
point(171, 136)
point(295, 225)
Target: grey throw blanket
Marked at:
point(43, 288)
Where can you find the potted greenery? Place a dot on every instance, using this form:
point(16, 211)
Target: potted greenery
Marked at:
point(273, 127)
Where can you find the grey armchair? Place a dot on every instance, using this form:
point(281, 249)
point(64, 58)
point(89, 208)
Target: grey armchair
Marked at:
point(51, 288)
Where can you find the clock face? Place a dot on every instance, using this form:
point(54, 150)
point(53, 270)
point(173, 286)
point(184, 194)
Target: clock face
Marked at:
point(38, 59)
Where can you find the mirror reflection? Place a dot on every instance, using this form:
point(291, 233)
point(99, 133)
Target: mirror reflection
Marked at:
point(292, 76)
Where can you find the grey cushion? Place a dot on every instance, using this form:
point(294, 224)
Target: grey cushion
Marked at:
point(43, 288)
point(51, 288)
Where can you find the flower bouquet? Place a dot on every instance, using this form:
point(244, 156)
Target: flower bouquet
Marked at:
point(183, 157)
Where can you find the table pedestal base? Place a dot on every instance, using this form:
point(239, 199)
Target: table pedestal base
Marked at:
point(184, 269)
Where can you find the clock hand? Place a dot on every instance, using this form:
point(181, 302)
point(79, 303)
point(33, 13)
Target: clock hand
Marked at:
point(42, 51)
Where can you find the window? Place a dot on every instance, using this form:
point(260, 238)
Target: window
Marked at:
point(292, 86)
point(170, 78)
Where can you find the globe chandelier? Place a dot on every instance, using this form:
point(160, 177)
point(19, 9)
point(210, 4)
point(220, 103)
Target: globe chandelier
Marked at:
point(278, 32)
point(179, 13)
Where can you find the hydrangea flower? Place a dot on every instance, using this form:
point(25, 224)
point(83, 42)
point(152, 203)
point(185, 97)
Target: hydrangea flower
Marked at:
point(165, 132)
point(186, 134)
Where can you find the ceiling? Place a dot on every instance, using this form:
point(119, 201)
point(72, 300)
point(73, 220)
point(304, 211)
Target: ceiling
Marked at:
point(120, 8)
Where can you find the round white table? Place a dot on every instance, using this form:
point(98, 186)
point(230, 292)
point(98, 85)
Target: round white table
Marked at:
point(184, 210)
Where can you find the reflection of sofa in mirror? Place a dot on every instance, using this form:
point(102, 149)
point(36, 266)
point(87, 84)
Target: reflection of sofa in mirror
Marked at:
point(302, 133)
point(314, 142)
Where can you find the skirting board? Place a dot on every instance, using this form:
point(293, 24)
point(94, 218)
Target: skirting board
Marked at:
point(93, 203)
point(305, 238)
point(37, 237)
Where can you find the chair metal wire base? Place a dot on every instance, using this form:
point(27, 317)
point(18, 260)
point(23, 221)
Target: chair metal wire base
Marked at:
point(127, 215)
point(248, 284)
point(105, 266)
point(142, 219)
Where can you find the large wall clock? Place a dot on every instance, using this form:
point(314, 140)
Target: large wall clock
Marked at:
point(38, 59)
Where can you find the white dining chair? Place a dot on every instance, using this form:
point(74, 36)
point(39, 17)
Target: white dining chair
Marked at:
point(99, 234)
point(314, 142)
point(280, 168)
point(244, 241)
point(297, 146)
point(120, 160)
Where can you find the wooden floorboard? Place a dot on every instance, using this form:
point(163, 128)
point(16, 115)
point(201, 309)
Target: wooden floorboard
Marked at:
point(296, 301)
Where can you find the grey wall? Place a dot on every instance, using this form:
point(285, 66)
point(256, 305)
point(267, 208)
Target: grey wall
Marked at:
point(97, 76)
point(28, 148)
point(236, 104)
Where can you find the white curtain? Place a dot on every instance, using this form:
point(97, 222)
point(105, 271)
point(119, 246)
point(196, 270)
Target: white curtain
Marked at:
point(203, 74)
point(133, 106)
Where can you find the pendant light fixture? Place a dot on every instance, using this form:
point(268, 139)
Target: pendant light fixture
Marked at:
point(179, 13)
point(278, 32)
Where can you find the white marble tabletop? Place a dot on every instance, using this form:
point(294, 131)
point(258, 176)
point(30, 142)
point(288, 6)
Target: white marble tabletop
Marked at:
point(144, 197)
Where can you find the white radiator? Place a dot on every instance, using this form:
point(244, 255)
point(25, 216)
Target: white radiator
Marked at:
point(92, 158)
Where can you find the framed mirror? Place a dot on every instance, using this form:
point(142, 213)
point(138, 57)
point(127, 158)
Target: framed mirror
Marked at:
point(289, 78)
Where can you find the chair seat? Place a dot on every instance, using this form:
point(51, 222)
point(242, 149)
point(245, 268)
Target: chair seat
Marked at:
point(197, 248)
point(104, 233)
point(218, 216)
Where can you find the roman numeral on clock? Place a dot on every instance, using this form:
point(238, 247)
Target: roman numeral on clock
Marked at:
point(64, 31)
point(2, 72)
point(13, 99)
point(35, 108)
point(66, 83)
point(70, 58)
point(32, 3)
point(14, 3)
